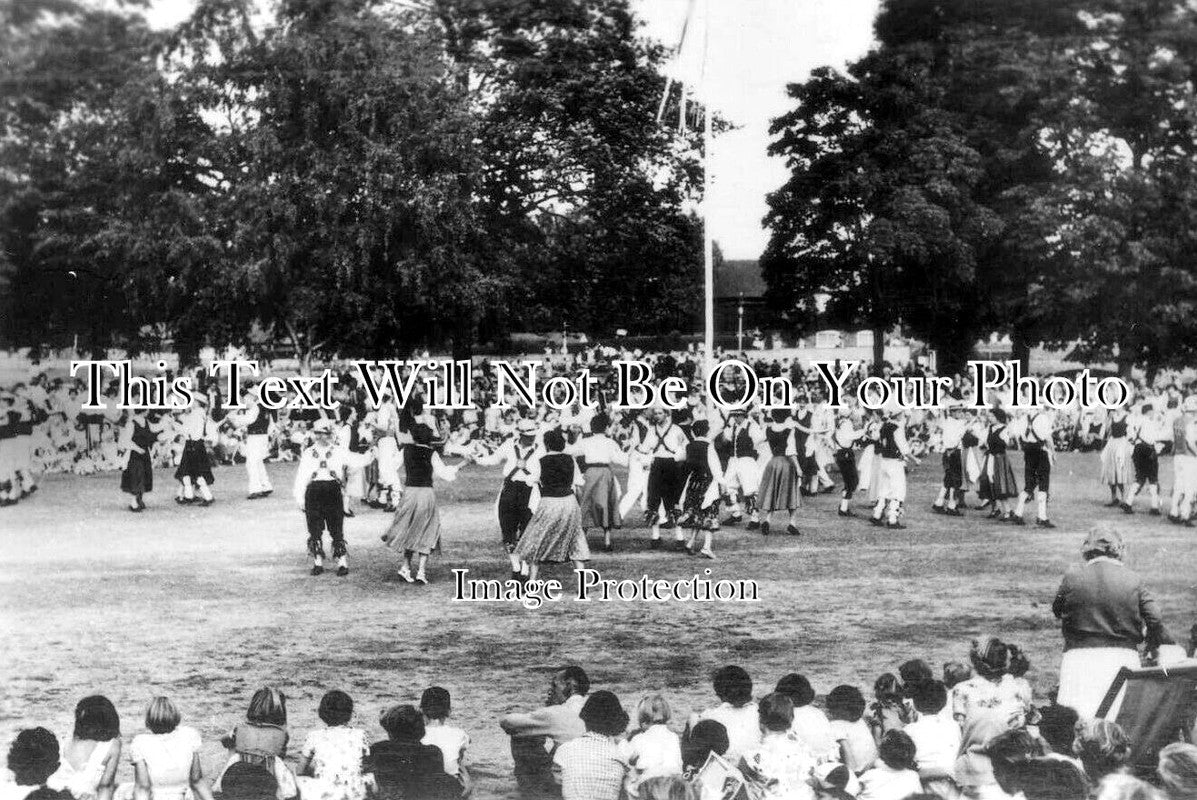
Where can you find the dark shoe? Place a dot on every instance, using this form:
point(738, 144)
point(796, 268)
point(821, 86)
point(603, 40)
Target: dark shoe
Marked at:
point(764, 529)
point(609, 548)
point(752, 525)
point(1014, 519)
point(734, 519)
point(1127, 508)
point(937, 509)
point(317, 569)
point(342, 572)
point(206, 503)
point(792, 530)
point(183, 501)
point(1174, 519)
point(349, 513)
point(1044, 523)
point(679, 545)
point(1155, 512)
point(654, 544)
point(254, 496)
point(895, 526)
point(844, 513)
point(267, 493)
point(877, 521)
point(952, 512)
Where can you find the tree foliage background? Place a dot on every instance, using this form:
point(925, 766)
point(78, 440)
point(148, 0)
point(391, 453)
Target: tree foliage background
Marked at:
point(1002, 165)
point(367, 176)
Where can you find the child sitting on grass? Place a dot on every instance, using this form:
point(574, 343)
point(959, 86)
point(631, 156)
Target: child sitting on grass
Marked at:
point(845, 708)
point(895, 776)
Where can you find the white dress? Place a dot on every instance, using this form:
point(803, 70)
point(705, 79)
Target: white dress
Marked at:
point(167, 758)
point(83, 783)
point(335, 759)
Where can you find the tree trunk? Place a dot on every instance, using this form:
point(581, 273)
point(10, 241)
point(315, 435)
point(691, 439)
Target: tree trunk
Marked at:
point(1020, 349)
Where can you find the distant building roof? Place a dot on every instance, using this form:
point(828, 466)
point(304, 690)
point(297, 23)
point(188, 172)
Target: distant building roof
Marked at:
point(734, 278)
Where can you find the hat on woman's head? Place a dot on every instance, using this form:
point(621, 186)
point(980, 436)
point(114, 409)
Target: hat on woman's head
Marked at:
point(990, 658)
point(603, 713)
point(323, 425)
point(1103, 540)
point(1190, 403)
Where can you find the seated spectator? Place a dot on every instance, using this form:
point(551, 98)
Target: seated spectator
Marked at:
point(90, 759)
point(262, 741)
point(452, 740)
point(592, 767)
point(652, 750)
point(1052, 779)
point(404, 768)
point(936, 740)
point(811, 725)
point(1057, 726)
point(993, 687)
point(166, 761)
point(331, 763)
point(895, 775)
point(1102, 747)
point(954, 674)
point(707, 737)
point(845, 708)
point(1125, 787)
point(888, 711)
point(32, 759)
point(1009, 752)
point(737, 713)
point(1178, 771)
point(834, 781)
point(914, 674)
point(667, 787)
point(536, 734)
point(974, 771)
point(781, 763)
point(243, 780)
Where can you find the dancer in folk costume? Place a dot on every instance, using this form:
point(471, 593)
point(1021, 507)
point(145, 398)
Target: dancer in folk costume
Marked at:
point(844, 439)
point(665, 443)
point(601, 494)
point(638, 466)
point(868, 466)
point(194, 472)
point(894, 452)
point(970, 452)
point(952, 431)
point(520, 456)
point(10, 481)
point(781, 481)
point(416, 527)
point(390, 461)
point(1147, 434)
point(137, 440)
point(319, 485)
point(803, 423)
point(29, 416)
point(1184, 463)
point(703, 488)
point(820, 446)
point(1116, 456)
point(743, 435)
point(1039, 454)
point(554, 534)
point(259, 423)
point(1000, 484)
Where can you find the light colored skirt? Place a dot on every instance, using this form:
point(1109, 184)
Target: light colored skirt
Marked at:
point(1116, 462)
point(744, 476)
point(1086, 674)
point(554, 534)
point(780, 486)
point(893, 479)
point(417, 523)
point(600, 499)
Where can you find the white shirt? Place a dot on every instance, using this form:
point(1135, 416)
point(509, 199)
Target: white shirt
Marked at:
point(952, 430)
point(1039, 429)
point(520, 462)
point(452, 741)
point(743, 726)
point(669, 442)
point(653, 752)
point(598, 449)
point(883, 783)
point(320, 463)
point(937, 743)
point(812, 727)
point(195, 424)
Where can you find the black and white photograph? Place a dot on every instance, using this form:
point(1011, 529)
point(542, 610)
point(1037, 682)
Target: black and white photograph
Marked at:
point(598, 399)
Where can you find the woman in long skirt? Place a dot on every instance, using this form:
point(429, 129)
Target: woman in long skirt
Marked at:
point(194, 472)
point(1116, 456)
point(601, 493)
point(781, 482)
point(138, 439)
point(416, 527)
point(554, 534)
point(704, 485)
point(1002, 484)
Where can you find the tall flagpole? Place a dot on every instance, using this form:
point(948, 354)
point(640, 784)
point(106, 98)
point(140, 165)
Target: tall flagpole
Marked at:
point(708, 241)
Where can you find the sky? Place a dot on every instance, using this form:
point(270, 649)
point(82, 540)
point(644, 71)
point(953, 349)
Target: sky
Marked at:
point(754, 48)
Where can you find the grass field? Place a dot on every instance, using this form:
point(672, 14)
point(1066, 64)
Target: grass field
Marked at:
point(206, 605)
